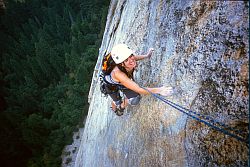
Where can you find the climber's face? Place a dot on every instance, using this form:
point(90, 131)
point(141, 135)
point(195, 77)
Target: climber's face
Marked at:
point(130, 62)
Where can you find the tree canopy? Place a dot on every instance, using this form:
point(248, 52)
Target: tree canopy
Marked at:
point(48, 52)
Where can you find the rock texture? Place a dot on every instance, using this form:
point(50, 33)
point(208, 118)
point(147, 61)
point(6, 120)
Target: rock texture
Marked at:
point(201, 49)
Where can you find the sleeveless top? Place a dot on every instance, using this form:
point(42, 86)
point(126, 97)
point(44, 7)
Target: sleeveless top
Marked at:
point(110, 80)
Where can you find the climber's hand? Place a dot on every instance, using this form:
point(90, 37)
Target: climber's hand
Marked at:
point(166, 91)
point(150, 52)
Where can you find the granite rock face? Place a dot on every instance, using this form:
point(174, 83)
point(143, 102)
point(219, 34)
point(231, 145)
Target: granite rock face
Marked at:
point(201, 49)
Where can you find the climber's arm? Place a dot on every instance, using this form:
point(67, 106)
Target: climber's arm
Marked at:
point(148, 55)
point(128, 83)
point(140, 57)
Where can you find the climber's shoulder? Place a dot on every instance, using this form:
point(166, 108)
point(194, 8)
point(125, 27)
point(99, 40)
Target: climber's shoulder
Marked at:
point(118, 75)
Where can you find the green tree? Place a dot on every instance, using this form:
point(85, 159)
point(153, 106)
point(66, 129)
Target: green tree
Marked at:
point(49, 53)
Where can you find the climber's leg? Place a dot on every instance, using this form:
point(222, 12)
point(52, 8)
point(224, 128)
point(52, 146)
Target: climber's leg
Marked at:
point(132, 97)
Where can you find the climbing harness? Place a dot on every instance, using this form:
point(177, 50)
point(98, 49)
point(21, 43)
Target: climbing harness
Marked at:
point(106, 87)
point(204, 119)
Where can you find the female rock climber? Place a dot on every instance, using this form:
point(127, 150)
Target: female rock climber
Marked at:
point(123, 64)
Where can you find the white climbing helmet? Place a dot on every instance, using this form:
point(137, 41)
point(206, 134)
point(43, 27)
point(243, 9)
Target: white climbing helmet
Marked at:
point(120, 53)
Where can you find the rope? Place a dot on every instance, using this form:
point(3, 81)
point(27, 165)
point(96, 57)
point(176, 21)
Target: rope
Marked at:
point(194, 115)
point(207, 118)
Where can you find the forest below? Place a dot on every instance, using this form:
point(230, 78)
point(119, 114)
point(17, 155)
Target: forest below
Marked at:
point(48, 52)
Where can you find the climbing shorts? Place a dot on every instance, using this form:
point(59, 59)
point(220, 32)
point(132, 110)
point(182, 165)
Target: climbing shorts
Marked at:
point(133, 97)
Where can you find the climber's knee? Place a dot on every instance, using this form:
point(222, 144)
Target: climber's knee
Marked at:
point(134, 100)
